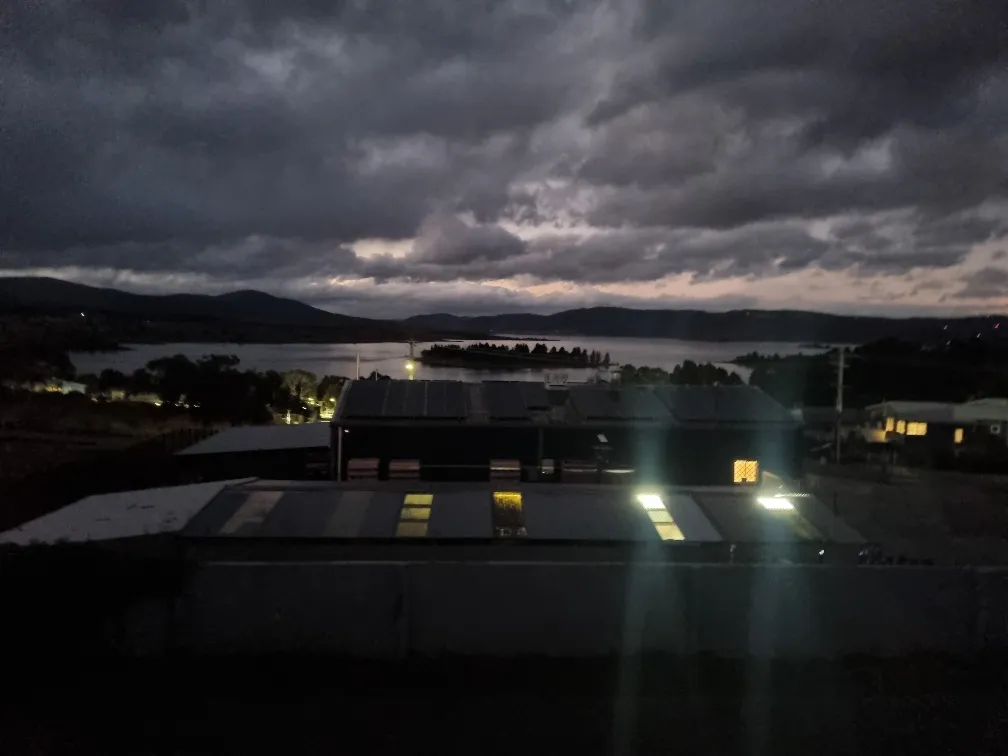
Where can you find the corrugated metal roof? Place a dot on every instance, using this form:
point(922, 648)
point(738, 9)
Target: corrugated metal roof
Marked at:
point(251, 508)
point(119, 515)
point(251, 438)
point(551, 512)
point(585, 514)
point(740, 517)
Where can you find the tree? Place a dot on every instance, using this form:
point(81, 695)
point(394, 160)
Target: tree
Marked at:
point(141, 382)
point(605, 359)
point(329, 388)
point(301, 383)
point(111, 379)
point(173, 377)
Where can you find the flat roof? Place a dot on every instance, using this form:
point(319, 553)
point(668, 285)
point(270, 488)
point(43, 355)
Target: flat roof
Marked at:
point(394, 402)
point(127, 514)
point(252, 438)
point(367, 511)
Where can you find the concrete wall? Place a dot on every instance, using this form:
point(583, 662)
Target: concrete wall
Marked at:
point(392, 609)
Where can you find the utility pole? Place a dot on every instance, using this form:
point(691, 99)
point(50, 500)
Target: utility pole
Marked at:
point(839, 400)
point(358, 366)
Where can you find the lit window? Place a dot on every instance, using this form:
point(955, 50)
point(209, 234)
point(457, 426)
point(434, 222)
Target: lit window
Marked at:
point(901, 426)
point(745, 471)
point(660, 517)
point(775, 503)
point(916, 429)
point(507, 499)
point(651, 501)
point(890, 424)
point(413, 516)
point(958, 435)
point(508, 514)
point(411, 529)
point(669, 531)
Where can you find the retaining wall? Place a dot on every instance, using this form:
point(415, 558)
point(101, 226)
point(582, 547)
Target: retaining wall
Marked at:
point(394, 609)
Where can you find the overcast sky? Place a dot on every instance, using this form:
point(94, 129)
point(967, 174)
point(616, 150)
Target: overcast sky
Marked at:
point(391, 158)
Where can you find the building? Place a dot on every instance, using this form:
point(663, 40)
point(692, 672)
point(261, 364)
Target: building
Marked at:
point(285, 452)
point(927, 430)
point(399, 570)
point(445, 430)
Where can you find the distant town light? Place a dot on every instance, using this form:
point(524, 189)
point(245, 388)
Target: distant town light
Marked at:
point(410, 366)
point(650, 501)
point(775, 503)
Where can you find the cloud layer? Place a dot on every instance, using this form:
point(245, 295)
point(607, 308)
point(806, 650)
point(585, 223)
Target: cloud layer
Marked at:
point(523, 153)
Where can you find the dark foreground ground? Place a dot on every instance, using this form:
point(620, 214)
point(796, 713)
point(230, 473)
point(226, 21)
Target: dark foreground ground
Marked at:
point(288, 705)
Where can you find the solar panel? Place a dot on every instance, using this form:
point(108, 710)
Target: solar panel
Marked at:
point(416, 396)
point(455, 403)
point(395, 401)
point(435, 406)
point(690, 402)
point(640, 403)
point(535, 395)
point(504, 401)
point(723, 404)
point(365, 399)
point(594, 403)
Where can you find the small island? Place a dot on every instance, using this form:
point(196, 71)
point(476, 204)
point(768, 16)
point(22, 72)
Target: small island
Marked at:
point(495, 356)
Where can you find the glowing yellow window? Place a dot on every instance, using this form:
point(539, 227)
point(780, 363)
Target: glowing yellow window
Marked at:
point(413, 516)
point(508, 514)
point(745, 471)
point(958, 436)
point(507, 499)
point(916, 429)
point(890, 424)
point(660, 515)
point(669, 531)
point(411, 529)
point(901, 426)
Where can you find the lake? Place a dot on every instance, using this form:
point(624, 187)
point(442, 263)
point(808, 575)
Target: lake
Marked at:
point(390, 358)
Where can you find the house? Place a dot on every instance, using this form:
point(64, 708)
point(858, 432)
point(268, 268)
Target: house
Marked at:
point(927, 429)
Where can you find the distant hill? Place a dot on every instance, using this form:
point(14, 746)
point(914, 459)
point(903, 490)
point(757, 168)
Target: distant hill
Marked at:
point(251, 308)
point(737, 325)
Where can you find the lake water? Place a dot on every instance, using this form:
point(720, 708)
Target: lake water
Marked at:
point(390, 358)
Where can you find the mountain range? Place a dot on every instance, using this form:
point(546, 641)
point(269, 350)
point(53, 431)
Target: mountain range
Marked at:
point(265, 311)
point(247, 316)
point(697, 325)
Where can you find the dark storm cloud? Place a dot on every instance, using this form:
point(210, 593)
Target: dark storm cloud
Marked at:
point(987, 283)
point(204, 127)
point(253, 256)
point(245, 140)
point(809, 109)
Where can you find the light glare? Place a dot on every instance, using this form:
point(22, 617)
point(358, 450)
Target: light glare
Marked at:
point(775, 503)
point(651, 501)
